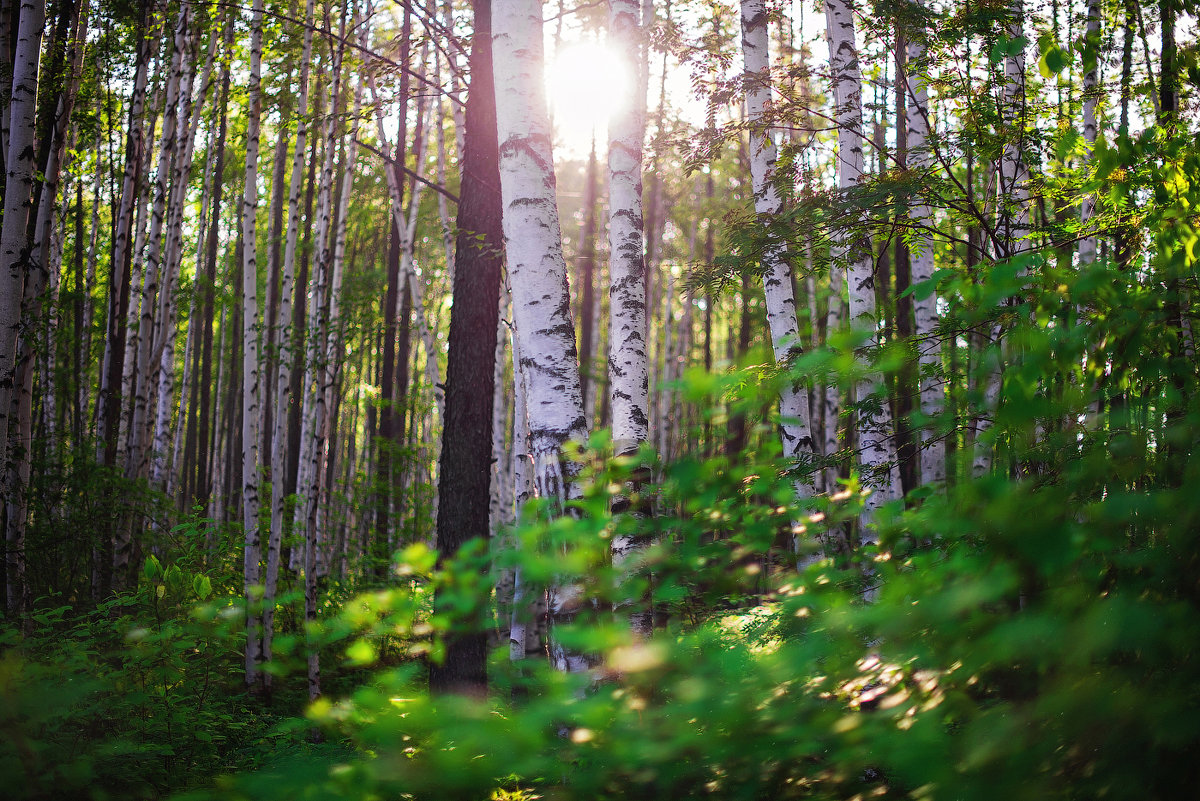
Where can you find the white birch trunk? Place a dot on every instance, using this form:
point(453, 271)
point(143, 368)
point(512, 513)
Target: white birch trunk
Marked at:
point(252, 571)
point(501, 489)
point(283, 343)
point(1091, 96)
point(628, 363)
point(155, 271)
point(109, 394)
point(331, 364)
point(628, 360)
point(18, 198)
point(533, 243)
point(925, 313)
point(876, 446)
point(138, 276)
point(795, 425)
point(522, 636)
point(14, 289)
point(46, 248)
point(89, 306)
point(317, 311)
point(164, 341)
point(163, 469)
point(1014, 173)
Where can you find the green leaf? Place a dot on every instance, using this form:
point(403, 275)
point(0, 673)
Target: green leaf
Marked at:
point(996, 55)
point(361, 653)
point(152, 569)
point(1068, 142)
point(1053, 61)
point(202, 586)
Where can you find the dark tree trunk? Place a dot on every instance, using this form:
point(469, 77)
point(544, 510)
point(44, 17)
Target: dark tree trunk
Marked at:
point(77, 345)
point(202, 488)
point(233, 408)
point(1168, 82)
point(906, 385)
point(467, 439)
point(270, 357)
point(388, 394)
point(587, 272)
point(388, 401)
point(735, 439)
point(300, 320)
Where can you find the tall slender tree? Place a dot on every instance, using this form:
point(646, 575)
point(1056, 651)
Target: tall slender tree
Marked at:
point(795, 423)
point(876, 444)
point(919, 157)
point(18, 194)
point(465, 474)
point(283, 336)
point(252, 570)
point(533, 244)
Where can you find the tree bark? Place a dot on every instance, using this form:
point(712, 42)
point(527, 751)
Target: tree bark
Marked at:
point(1091, 98)
point(533, 243)
point(778, 288)
point(283, 356)
point(877, 449)
point(628, 360)
point(919, 157)
point(465, 474)
point(389, 400)
point(587, 280)
point(18, 205)
point(252, 569)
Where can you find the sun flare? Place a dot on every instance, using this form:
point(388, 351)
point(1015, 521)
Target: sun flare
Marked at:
point(587, 83)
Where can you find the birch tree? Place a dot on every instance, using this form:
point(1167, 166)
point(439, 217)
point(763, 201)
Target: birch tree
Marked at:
point(1091, 97)
point(533, 244)
point(109, 399)
point(18, 196)
point(795, 425)
point(250, 390)
point(43, 262)
point(164, 341)
point(628, 357)
point(876, 446)
point(628, 362)
point(465, 474)
point(155, 269)
point(283, 343)
point(920, 158)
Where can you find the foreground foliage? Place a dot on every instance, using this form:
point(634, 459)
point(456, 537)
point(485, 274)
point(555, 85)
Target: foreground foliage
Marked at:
point(1023, 635)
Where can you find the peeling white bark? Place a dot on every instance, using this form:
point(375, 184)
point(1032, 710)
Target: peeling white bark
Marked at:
point(628, 363)
point(925, 314)
point(1014, 172)
point(876, 446)
point(1091, 96)
point(18, 195)
point(533, 242)
point(794, 414)
point(283, 341)
point(250, 389)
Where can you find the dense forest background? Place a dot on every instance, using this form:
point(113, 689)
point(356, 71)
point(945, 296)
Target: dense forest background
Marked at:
point(599, 400)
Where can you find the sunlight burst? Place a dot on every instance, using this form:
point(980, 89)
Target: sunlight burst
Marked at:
point(587, 83)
